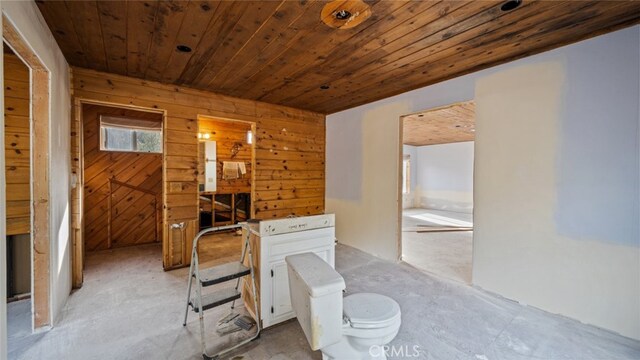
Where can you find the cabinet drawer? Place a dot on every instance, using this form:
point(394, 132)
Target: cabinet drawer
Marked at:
point(280, 246)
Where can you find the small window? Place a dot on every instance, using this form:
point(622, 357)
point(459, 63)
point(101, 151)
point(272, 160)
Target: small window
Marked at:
point(130, 135)
point(406, 175)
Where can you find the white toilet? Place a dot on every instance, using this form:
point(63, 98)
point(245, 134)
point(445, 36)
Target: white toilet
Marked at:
point(354, 328)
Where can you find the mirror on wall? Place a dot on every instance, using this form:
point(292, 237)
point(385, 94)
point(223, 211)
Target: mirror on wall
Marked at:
point(208, 157)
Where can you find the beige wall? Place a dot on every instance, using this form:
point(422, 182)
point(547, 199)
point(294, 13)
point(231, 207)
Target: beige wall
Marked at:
point(557, 188)
point(533, 242)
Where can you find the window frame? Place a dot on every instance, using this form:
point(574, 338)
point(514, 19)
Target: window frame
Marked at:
point(406, 173)
point(134, 133)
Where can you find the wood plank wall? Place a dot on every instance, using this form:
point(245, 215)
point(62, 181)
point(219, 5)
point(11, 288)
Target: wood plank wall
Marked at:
point(227, 134)
point(134, 213)
point(17, 145)
point(290, 147)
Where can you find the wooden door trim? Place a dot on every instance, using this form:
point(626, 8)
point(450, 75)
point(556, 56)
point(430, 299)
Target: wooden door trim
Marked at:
point(77, 154)
point(39, 133)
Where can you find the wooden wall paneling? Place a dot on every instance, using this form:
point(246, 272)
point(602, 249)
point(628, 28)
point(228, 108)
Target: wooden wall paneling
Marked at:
point(121, 189)
point(98, 220)
point(183, 106)
point(17, 140)
point(179, 242)
point(247, 293)
point(77, 228)
point(227, 134)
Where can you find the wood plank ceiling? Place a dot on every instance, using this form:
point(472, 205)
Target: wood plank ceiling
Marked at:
point(449, 124)
point(281, 52)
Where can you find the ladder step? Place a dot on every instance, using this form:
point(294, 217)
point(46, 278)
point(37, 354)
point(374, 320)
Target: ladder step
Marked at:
point(222, 273)
point(217, 298)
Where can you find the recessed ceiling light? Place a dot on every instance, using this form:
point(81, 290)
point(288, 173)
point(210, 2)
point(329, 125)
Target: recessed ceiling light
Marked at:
point(421, 115)
point(342, 14)
point(510, 5)
point(324, 87)
point(183, 48)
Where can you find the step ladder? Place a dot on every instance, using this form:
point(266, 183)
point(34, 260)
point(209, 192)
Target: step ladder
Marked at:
point(216, 275)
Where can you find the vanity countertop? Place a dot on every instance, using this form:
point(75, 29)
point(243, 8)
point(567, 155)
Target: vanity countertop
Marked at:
point(293, 224)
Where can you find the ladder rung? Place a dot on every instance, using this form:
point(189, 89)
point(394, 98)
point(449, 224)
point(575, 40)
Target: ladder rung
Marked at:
point(222, 273)
point(217, 298)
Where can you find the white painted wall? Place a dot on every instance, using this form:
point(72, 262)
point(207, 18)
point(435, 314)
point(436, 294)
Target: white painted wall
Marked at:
point(557, 177)
point(444, 177)
point(26, 17)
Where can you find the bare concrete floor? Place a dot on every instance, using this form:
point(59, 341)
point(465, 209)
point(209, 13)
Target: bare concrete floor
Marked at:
point(129, 308)
point(445, 254)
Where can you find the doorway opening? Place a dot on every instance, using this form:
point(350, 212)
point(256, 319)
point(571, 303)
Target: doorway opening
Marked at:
point(26, 109)
point(17, 140)
point(437, 190)
point(122, 177)
point(226, 183)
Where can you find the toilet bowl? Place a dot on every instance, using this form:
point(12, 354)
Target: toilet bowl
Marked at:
point(356, 327)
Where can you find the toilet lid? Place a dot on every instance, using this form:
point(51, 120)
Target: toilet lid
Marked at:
point(366, 310)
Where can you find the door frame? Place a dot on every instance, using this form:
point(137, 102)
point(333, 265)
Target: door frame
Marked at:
point(400, 165)
point(41, 306)
point(77, 169)
point(253, 124)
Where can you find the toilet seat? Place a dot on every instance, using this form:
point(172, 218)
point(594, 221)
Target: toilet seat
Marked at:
point(370, 311)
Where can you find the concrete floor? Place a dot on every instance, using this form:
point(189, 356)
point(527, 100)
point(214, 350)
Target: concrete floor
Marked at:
point(445, 254)
point(129, 308)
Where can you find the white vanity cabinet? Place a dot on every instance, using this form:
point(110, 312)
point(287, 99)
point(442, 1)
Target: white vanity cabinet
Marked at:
point(277, 239)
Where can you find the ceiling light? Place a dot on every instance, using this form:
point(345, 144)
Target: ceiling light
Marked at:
point(510, 5)
point(183, 48)
point(345, 14)
point(324, 87)
point(342, 15)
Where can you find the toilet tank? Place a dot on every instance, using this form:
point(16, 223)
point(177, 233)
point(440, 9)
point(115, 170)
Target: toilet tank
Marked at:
point(316, 297)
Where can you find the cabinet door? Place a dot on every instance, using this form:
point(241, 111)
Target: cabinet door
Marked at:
point(281, 302)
